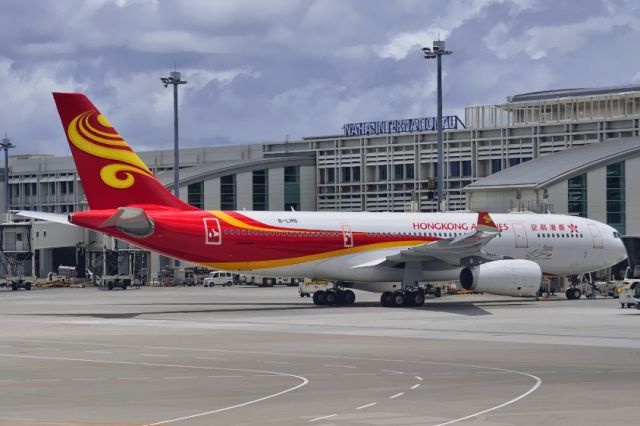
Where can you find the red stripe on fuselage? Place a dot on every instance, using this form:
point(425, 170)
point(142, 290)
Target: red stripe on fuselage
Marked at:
point(181, 234)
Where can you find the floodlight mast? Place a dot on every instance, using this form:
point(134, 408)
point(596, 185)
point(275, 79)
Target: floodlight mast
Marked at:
point(174, 79)
point(437, 52)
point(6, 145)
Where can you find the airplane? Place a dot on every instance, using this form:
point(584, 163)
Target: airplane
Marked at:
point(388, 253)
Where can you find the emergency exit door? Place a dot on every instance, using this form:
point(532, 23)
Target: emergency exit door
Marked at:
point(520, 234)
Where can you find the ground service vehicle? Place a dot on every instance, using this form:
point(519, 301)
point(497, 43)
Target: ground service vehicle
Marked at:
point(630, 295)
point(218, 278)
point(504, 254)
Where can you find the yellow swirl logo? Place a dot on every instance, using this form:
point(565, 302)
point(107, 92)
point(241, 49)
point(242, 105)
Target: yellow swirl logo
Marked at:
point(101, 140)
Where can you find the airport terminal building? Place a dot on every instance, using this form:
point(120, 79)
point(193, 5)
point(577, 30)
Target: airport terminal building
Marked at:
point(589, 138)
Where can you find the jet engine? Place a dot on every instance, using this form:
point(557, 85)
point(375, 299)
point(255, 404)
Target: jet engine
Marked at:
point(515, 277)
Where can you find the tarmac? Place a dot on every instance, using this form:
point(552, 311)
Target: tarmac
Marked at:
point(264, 356)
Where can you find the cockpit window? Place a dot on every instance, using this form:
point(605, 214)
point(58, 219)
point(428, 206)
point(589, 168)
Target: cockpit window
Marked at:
point(616, 234)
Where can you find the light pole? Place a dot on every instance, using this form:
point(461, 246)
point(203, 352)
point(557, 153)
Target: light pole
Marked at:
point(437, 52)
point(174, 79)
point(6, 145)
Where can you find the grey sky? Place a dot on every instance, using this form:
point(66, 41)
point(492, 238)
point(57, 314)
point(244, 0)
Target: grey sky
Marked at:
point(261, 70)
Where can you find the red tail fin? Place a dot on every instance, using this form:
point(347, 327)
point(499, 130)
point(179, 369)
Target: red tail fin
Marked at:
point(486, 223)
point(112, 174)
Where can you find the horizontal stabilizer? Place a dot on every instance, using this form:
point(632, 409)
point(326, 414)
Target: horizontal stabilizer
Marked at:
point(49, 217)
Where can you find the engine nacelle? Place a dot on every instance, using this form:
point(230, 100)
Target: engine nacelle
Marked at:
point(515, 277)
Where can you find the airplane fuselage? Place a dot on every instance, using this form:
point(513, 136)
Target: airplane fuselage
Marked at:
point(337, 246)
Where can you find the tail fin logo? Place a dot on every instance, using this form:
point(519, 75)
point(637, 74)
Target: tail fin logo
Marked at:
point(93, 134)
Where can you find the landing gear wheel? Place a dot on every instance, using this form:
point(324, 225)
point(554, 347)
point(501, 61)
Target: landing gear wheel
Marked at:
point(417, 299)
point(330, 298)
point(408, 298)
point(320, 297)
point(349, 297)
point(398, 299)
point(576, 293)
point(385, 299)
point(27, 286)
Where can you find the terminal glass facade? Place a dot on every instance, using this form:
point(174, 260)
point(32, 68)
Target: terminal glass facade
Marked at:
point(195, 194)
point(260, 190)
point(228, 192)
point(615, 197)
point(577, 194)
point(292, 188)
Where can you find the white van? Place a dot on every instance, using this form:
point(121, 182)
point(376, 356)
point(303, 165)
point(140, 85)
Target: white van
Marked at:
point(218, 278)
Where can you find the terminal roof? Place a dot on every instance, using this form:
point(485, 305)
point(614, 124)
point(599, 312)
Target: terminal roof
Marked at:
point(544, 171)
point(579, 92)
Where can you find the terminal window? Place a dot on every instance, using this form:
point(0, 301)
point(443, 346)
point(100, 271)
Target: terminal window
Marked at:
point(577, 196)
point(616, 197)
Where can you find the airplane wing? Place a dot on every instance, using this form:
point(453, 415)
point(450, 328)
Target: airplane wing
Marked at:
point(456, 251)
point(50, 217)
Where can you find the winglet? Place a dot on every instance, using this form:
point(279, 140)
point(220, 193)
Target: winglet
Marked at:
point(486, 223)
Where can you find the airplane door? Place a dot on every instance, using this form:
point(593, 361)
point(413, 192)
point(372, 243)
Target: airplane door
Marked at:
point(521, 235)
point(212, 234)
point(598, 243)
point(347, 236)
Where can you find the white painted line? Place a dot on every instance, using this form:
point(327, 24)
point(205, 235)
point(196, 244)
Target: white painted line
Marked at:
point(43, 380)
point(180, 377)
point(211, 358)
point(6, 346)
point(392, 371)
point(504, 404)
point(338, 366)
point(221, 377)
point(7, 381)
point(396, 395)
point(276, 362)
point(296, 355)
point(98, 352)
point(133, 378)
point(419, 378)
point(304, 380)
point(154, 355)
point(416, 386)
point(322, 418)
point(89, 380)
point(47, 349)
point(263, 375)
point(362, 407)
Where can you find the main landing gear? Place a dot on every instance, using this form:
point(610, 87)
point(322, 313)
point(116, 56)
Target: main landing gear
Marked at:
point(411, 294)
point(334, 297)
point(409, 297)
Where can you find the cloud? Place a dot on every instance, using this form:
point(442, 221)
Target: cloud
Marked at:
point(457, 14)
point(537, 41)
point(258, 71)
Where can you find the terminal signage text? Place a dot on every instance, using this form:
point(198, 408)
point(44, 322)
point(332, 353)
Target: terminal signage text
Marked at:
point(409, 125)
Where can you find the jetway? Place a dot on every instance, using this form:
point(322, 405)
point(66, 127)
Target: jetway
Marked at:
point(632, 244)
